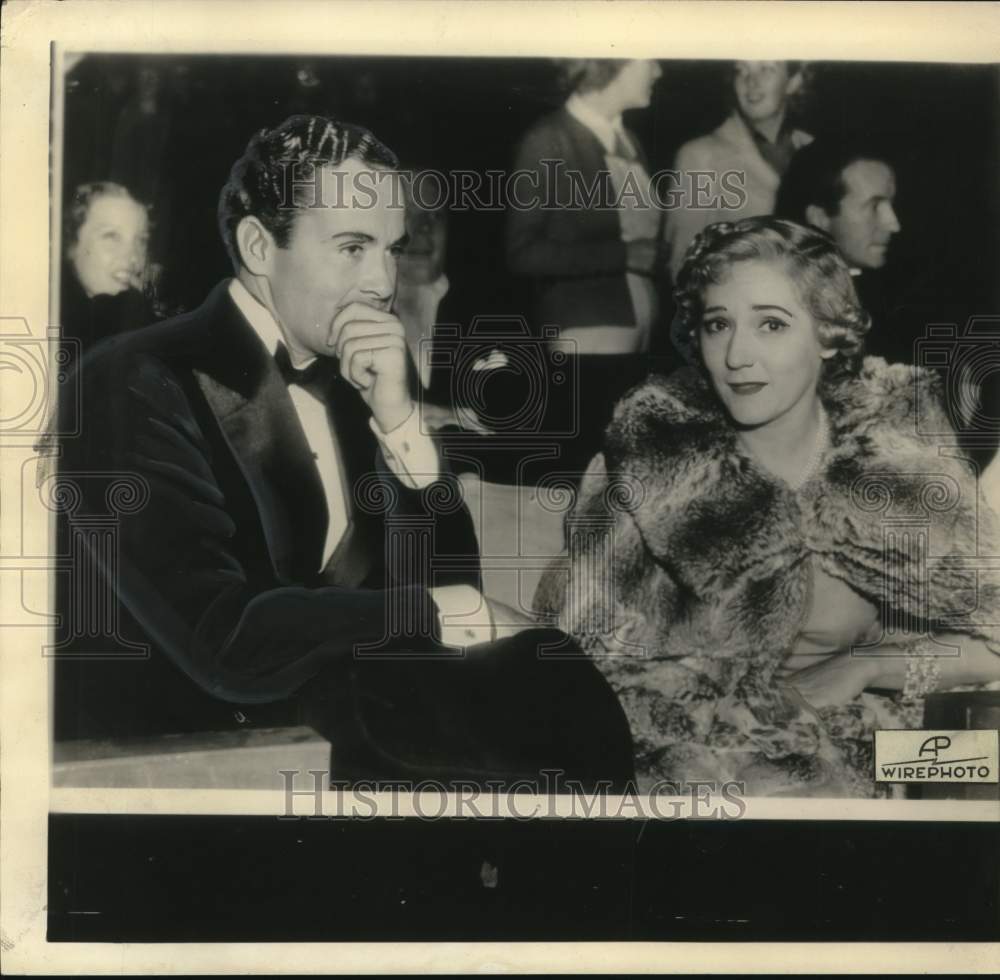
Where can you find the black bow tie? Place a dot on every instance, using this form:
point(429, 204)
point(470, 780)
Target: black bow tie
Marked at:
point(315, 378)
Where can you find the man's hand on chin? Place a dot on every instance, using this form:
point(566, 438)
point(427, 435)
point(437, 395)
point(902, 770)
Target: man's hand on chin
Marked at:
point(371, 346)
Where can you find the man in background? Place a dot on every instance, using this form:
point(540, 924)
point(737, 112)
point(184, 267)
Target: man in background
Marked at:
point(848, 190)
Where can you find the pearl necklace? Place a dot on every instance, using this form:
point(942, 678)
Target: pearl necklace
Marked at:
point(820, 447)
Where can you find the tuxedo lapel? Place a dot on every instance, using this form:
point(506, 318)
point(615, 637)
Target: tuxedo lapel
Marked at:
point(250, 401)
point(356, 552)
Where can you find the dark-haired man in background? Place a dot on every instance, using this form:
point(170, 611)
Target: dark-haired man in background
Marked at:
point(848, 190)
point(301, 543)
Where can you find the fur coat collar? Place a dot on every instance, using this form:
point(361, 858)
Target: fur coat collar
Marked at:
point(711, 551)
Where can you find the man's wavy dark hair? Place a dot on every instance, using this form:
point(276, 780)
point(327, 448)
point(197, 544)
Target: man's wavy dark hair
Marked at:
point(816, 175)
point(259, 179)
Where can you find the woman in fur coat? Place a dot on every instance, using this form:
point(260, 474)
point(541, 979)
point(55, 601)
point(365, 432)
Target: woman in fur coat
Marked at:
point(771, 558)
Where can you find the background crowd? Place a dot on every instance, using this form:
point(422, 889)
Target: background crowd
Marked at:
point(163, 131)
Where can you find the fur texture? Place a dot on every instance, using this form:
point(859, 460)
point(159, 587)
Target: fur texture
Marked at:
point(711, 577)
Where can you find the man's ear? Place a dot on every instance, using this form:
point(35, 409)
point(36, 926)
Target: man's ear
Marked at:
point(256, 245)
point(817, 217)
point(794, 84)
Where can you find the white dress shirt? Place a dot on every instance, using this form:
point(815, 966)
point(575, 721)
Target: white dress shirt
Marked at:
point(409, 453)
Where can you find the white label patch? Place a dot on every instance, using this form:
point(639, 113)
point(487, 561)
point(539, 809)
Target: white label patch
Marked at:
point(937, 757)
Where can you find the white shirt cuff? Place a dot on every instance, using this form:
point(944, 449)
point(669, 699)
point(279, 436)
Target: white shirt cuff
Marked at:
point(464, 615)
point(409, 452)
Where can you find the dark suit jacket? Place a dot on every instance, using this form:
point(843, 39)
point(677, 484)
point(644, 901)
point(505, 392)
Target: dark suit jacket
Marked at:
point(191, 443)
point(218, 567)
point(575, 255)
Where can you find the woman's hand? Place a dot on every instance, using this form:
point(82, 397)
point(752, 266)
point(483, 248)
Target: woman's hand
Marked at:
point(834, 681)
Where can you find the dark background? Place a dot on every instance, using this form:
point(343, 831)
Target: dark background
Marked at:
point(939, 122)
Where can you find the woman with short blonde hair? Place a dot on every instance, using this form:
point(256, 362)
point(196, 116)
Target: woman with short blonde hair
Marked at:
point(732, 563)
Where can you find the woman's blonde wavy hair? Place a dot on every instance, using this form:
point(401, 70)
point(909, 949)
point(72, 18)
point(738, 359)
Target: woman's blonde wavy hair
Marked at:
point(817, 268)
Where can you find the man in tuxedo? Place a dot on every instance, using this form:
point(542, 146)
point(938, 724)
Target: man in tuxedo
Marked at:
point(293, 542)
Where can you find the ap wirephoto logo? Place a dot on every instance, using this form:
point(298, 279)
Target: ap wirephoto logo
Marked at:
point(936, 757)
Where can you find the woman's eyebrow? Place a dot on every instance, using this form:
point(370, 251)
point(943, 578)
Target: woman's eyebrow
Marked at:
point(771, 306)
point(714, 309)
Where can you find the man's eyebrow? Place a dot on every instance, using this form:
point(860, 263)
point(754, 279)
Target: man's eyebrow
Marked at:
point(361, 236)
